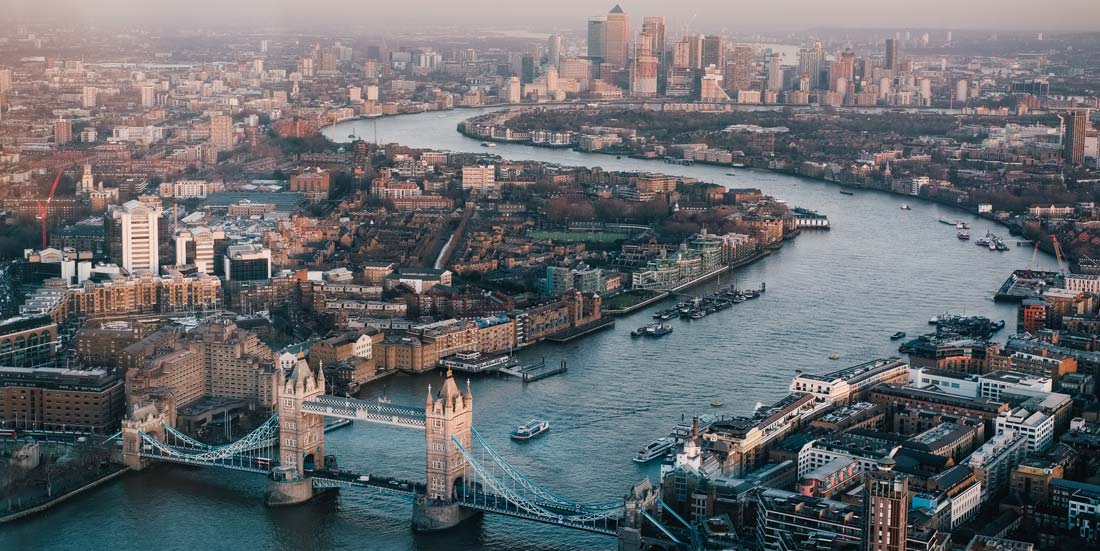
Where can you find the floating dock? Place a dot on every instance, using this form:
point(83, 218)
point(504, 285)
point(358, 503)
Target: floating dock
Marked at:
point(531, 373)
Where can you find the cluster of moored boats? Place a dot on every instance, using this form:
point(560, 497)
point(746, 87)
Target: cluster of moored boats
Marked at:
point(993, 242)
point(700, 307)
point(662, 446)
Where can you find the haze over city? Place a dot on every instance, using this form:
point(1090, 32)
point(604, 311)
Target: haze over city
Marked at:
point(707, 15)
point(549, 276)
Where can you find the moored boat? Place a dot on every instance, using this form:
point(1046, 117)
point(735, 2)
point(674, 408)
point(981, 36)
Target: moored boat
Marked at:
point(963, 235)
point(898, 335)
point(846, 192)
point(655, 449)
point(905, 206)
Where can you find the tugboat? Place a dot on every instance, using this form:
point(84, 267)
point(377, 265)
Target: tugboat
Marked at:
point(658, 330)
point(533, 428)
point(654, 449)
point(898, 335)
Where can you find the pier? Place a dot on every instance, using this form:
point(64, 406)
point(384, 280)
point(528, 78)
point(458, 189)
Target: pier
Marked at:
point(535, 372)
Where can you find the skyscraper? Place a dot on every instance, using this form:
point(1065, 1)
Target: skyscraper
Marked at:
point(597, 27)
point(148, 95)
point(811, 61)
point(891, 61)
point(842, 68)
point(643, 75)
point(5, 80)
point(739, 69)
point(714, 51)
point(654, 29)
point(553, 50)
point(885, 508)
point(616, 50)
point(137, 223)
point(775, 72)
point(1074, 125)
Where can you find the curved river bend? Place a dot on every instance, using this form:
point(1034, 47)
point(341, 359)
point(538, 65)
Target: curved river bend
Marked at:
point(879, 270)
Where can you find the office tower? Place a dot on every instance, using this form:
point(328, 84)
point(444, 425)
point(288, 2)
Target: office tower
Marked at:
point(597, 28)
point(249, 262)
point(688, 53)
point(739, 69)
point(5, 80)
point(527, 68)
point(62, 131)
point(654, 28)
point(616, 49)
point(513, 90)
point(775, 72)
point(1074, 125)
point(551, 80)
point(842, 68)
point(148, 95)
point(643, 76)
point(713, 51)
point(221, 132)
point(553, 51)
point(137, 223)
point(891, 61)
point(811, 62)
point(886, 508)
point(88, 97)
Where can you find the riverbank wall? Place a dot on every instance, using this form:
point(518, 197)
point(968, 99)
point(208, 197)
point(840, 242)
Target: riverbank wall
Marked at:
point(64, 497)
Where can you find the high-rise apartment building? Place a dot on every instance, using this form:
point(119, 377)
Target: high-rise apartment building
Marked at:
point(643, 75)
point(148, 95)
point(886, 508)
point(1074, 125)
point(62, 131)
point(138, 223)
point(5, 81)
point(616, 50)
point(88, 97)
point(221, 132)
point(842, 68)
point(739, 70)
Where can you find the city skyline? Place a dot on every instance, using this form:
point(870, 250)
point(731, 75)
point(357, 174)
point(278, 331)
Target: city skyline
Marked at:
point(708, 15)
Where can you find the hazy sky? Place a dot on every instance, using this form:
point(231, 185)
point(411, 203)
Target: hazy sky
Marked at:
point(539, 14)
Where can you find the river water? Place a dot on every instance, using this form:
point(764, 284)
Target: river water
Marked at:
point(879, 270)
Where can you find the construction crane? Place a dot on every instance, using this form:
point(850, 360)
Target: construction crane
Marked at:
point(44, 208)
point(1058, 254)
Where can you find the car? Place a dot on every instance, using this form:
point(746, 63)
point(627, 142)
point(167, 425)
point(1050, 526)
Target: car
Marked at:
point(364, 478)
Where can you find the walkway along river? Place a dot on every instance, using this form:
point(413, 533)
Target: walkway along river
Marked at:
point(879, 270)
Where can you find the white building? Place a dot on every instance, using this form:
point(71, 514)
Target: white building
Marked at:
point(479, 178)
point(964, 505)
point(138, 223)
point(948, 382)
point(1036, 427)
point(1085, 283)
point(992, 385)
point(839, 386)
point(994, 461)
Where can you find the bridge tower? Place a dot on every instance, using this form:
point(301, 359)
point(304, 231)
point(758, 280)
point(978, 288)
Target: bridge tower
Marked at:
point(449, 414)
point(301, 436)
point(147, 414)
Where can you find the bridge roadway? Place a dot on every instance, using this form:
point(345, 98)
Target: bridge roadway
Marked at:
point(362, 410)
point(341, 479)
point(475, 498)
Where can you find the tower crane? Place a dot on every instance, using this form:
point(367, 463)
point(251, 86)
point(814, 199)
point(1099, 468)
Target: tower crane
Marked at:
point(1058, 254)
point(44, 208)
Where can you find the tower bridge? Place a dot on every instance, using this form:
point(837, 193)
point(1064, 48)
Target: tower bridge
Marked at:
point(464, 476)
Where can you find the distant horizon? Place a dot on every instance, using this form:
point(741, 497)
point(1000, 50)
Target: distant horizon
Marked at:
point(700, 15)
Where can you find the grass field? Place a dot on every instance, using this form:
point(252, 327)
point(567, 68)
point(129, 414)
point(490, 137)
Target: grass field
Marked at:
point(628, 299)
point(580, 236)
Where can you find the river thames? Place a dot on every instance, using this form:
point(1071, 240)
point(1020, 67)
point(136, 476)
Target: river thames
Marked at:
point(844, 292)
